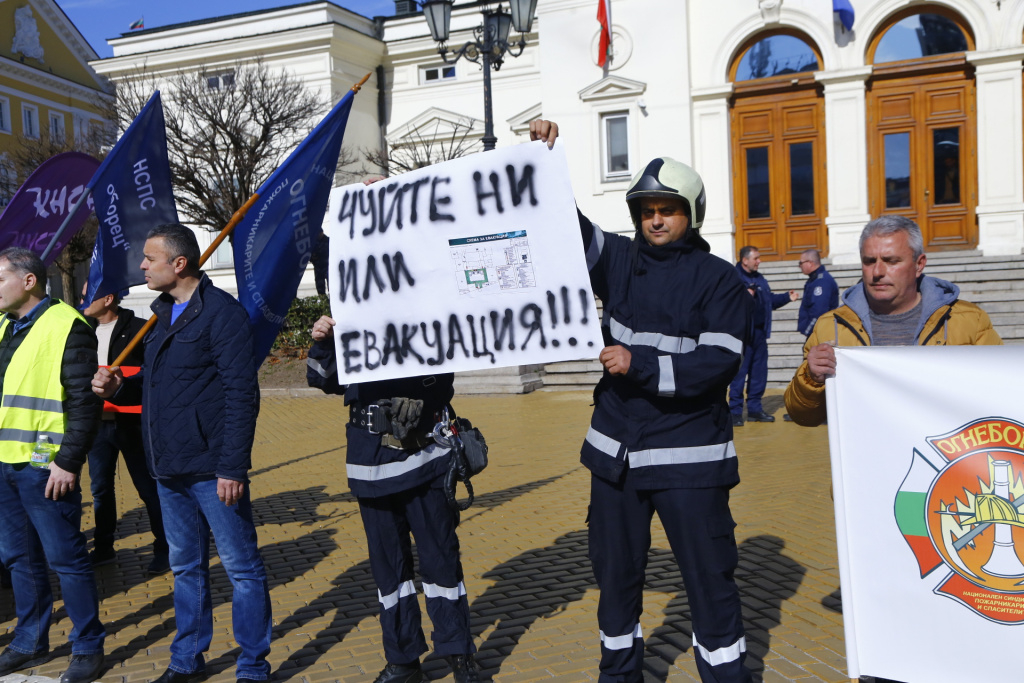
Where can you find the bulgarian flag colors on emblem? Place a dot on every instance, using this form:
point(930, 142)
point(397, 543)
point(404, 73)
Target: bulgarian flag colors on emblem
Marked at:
point(960, 507)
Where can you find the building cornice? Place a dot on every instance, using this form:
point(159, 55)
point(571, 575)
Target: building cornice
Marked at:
point(48, 81)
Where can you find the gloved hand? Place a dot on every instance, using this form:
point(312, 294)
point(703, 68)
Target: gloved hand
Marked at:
point(405, 415)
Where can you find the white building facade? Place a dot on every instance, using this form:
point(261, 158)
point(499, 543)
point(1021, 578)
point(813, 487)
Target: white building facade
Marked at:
point(803, 130)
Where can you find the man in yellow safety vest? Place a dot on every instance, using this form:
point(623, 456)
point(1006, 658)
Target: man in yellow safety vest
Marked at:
point(48, 420)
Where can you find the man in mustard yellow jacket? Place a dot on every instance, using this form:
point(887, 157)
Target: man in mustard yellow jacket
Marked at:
point(894, 304)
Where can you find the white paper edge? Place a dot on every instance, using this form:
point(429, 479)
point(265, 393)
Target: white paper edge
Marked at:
point(842, 542)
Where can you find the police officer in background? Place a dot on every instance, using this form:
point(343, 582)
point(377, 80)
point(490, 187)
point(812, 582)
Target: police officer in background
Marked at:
point(120, 430)
point(755, 352)
point(396, 471)
point(821, 293)
point(661, 438)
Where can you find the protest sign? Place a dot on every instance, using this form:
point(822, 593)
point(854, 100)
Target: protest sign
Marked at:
point(43, 202)
point(929, 529)
point(470, 264)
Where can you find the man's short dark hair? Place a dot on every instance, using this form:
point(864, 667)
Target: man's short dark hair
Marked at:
point(883, 226)
point(745, 251)
point(24, 261)
point(812, 255)
point(180, 241)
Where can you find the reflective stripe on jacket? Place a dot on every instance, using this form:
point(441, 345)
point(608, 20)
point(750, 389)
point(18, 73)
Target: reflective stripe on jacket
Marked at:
point(33, 396)
point(683, 315)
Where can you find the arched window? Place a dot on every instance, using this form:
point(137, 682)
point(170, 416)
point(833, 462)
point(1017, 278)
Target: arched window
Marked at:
point(776, 55)
point(921, 34)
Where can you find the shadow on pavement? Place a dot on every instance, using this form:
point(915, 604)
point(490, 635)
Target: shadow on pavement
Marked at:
point(766, 578)
point(285, 561)
point(354, 598)
point(544, 581)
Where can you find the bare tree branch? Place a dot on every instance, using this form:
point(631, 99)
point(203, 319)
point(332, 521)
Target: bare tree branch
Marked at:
point(424, 148)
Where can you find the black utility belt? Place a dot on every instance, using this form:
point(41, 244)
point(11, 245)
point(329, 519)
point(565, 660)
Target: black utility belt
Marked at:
point(376, 420)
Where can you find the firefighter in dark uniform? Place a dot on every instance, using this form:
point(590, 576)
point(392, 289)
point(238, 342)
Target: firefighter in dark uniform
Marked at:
point(396, 471)
point(660, 440)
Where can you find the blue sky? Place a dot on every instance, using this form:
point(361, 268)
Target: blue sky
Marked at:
point(102, 19)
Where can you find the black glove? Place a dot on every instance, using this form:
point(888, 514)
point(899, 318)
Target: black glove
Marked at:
point(405, 415)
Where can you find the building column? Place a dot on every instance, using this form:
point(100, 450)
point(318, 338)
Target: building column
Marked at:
point(846, 144)
point(712, 158)
point(1000, 151)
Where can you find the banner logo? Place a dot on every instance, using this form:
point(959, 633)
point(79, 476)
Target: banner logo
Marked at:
point(960, 507)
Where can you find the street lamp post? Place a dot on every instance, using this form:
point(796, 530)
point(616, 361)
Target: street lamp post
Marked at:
point(489, 46)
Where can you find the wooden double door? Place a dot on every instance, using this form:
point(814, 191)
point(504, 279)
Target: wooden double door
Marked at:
point(921, 155)
point(778, 161)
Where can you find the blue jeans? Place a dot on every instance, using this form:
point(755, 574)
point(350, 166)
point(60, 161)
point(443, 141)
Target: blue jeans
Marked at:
point(124, 436)
point(34, 531)
point(191, 511)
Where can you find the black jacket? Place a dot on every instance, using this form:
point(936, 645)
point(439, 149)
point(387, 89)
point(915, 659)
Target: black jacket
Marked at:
point(125, 329)
point(198, 386)
point(683, 315)
point(373, 469)
point(82, 407)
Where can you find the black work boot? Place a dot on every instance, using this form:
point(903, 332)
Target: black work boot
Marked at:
point(464, 668)
point(83, 668)
point(12, 660)
point(401, 673)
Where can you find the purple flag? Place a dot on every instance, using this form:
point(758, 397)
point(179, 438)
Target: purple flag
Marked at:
point(41, 204)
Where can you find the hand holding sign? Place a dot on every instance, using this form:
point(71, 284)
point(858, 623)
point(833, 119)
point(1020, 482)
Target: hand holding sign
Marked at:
point(474, 263)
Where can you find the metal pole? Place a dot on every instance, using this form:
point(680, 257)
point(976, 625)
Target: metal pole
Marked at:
point(489, 138)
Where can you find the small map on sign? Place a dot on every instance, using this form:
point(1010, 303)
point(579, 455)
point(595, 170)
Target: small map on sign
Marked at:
point(490, 264)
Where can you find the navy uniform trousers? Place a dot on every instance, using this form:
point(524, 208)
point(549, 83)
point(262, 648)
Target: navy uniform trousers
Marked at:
point(699, 527)
point(388, 521)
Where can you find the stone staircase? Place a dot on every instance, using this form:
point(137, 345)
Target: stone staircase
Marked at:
point(996, 283)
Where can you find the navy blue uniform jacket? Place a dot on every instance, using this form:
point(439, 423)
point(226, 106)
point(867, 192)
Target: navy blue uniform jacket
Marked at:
point(374, 469)
point(821, 295)
point(683, 315)
point(199, 392)
point(764, 300)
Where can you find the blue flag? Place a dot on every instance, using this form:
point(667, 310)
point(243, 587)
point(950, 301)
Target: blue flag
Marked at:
point(132, 195)
point(845, 11)
point(274, 241)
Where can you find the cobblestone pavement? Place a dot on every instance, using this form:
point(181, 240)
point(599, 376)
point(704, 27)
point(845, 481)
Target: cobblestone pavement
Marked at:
point(524, 545)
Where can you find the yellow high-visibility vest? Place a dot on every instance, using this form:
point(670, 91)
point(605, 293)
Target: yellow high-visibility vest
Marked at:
point(32, 403)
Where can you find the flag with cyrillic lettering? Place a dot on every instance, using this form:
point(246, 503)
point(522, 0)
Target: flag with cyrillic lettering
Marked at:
point(132, 194)
point(273, 243)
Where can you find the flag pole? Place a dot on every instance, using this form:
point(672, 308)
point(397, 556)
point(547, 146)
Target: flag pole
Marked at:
point(235, 220)
point(64, 225)
point(228, 229)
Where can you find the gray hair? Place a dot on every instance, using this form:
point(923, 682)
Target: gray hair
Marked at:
point(813, 255)
point(24, 261)
point(745, 251)
point(883, 226)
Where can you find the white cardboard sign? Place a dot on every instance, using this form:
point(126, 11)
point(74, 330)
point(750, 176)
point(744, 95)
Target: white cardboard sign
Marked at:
point(470, 264)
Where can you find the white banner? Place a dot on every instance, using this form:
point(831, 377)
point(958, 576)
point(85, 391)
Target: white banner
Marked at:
point(928, 474)
point(469, 264)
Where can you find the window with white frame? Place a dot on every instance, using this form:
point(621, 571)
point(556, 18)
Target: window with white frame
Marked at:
point(436, 74)
point(224, 256)
point(218, 81)
point(56, 126)
point(615, 145)
point(7, 187)
point(80, 126)
point(5, 115)
point(29, 121)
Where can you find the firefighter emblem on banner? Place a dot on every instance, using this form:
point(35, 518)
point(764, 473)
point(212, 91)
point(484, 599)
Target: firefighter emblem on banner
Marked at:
point(960, 508)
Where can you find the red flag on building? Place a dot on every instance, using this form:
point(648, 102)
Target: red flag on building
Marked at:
point(604, 17)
